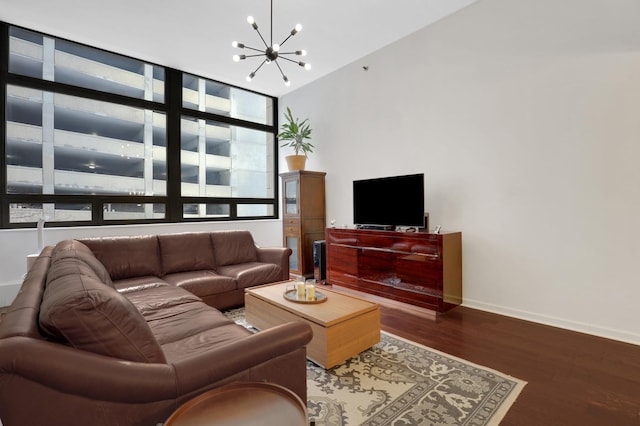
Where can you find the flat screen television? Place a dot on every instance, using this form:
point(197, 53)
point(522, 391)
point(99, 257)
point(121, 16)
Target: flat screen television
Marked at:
point(389, 201)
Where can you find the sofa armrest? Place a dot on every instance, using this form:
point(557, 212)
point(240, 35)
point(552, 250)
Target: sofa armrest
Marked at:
point(210, 367)
point(67, 370)
point(276, 255)
point(76, 372)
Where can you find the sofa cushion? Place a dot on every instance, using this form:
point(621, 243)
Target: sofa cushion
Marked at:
point(202, 283)
point(128, 285)
point(67, 264)
point(126, 257)
point(252, 273)
point(178, 322)
point(233, 247)
point(75, 249)
point(186, 252)
point(206, 340)
point(92, 316)
point(150, 300)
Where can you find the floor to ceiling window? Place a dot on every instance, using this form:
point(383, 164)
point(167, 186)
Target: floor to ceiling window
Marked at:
point(91, 137)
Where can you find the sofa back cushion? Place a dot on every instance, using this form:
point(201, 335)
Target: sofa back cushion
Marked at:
point(127, 257)
point(92, 316)
point(72, 249)
point(233, 247)
point(186, 252)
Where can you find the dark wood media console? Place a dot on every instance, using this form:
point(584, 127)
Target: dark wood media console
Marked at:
point(419, 269)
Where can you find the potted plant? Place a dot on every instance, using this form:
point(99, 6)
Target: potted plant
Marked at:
point(295, 132)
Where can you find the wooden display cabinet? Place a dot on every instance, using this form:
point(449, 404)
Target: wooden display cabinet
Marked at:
point(303, 212)
point(419, 269)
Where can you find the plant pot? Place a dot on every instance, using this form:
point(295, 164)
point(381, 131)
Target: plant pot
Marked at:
point(296, 162)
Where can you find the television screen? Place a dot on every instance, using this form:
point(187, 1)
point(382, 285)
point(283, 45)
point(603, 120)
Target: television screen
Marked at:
point(395, 200)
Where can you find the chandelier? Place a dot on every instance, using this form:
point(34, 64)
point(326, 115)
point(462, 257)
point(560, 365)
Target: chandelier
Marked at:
point(272, 51)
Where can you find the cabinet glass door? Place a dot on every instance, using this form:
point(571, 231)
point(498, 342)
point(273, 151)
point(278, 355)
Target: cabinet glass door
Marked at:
point(292, 243)
point(291, 197)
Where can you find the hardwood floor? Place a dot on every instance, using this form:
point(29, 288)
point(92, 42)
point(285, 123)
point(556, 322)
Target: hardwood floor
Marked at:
point(573, 378)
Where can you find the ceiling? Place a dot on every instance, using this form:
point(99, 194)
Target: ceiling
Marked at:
point(196, 35)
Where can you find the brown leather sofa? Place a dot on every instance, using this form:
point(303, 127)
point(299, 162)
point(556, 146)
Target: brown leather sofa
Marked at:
point(215, 266)
point(104, 331)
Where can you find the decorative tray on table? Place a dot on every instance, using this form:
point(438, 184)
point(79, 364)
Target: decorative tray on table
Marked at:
point(292, 295)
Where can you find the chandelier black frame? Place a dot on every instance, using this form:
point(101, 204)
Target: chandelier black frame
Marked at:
point(272, 51)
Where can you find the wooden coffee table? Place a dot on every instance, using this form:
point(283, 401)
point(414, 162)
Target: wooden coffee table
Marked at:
point(343, 326)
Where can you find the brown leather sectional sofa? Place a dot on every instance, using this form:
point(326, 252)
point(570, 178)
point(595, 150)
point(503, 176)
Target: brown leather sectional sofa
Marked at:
point(124, 330)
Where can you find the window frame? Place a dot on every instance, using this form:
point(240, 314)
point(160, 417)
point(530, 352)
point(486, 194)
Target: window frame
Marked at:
point(173, 109)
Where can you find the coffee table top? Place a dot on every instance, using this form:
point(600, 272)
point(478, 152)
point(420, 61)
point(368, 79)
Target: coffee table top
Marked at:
point(338, 307)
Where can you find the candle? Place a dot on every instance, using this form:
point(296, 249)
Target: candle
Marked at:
point(310, 290)
point(300, 290)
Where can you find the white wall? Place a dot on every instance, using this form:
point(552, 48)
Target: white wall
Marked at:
point(524, 116)
point(17, 244)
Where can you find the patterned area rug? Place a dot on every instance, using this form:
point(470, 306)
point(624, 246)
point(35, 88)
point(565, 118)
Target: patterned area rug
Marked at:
point(398, 382)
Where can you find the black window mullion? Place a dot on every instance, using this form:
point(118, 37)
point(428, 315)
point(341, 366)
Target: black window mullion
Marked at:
point(173, 97)
point(97, 212)
point(211, 116)
point(81, 92)
point(4, 69)
point(276, 156)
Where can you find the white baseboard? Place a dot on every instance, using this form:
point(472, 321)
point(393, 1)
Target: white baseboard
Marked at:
point(580, 327)
point(8, 292)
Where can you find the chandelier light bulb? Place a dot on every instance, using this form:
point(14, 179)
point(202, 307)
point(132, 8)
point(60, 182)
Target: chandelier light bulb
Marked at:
point(307, 66)
point(250, 76)
point(276, 47)
point(286, 81)
point(252, 22)
point(301, 52)
point(296, 29)
point(236, 58)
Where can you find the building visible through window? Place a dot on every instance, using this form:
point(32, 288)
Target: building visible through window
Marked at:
point(88, 139)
